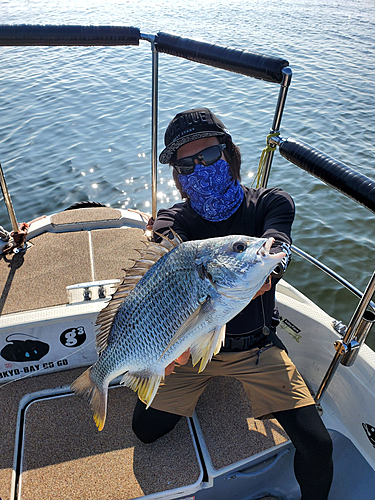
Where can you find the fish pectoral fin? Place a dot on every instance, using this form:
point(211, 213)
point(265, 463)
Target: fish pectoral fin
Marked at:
point(220, 339)
point(198, 316)
point(206, 346)
point(146, 387)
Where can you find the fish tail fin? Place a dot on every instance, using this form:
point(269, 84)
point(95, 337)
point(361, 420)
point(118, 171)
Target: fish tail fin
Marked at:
point(97, 396)
point(146, 387)
point(205, 347)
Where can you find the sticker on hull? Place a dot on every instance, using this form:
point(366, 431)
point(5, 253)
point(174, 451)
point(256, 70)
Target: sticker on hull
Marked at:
point(47, 347)
point(370, 433)
point(30, 349)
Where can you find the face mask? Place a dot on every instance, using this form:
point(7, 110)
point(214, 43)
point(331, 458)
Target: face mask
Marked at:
point(213, 192)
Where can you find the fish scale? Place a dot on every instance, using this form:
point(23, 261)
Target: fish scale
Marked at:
point(177, 296)
point(156, 296)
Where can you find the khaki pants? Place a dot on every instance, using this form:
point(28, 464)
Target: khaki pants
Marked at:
point(269, 377)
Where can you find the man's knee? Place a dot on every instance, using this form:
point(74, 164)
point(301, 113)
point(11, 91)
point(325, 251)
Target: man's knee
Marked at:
point(149, 425)
point(142, 431)
point(306, 430)
point(322, 443)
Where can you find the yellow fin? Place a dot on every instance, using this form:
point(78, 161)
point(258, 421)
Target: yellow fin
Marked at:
point(221, 339)
point(206, 346)
point(96, 396)
point(146, 387)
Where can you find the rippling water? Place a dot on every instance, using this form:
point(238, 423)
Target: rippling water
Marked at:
point(75, 122)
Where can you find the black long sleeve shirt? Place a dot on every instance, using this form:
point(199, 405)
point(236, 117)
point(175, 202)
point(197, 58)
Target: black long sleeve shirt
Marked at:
point(263, 213)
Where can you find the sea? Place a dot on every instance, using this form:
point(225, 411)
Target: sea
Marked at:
point(75, 122)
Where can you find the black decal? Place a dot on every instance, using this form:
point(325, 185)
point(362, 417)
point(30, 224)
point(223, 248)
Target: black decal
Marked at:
point(9, 373)
point(24, 350)
point(370, 432)
point(290, 324)
point(62, 362)
point(73, 337)
point(50, 364)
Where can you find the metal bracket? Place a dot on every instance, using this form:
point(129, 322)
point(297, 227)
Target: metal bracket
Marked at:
point(355, 335)
point(94, 290)
point(339, 326)
point(343, 348)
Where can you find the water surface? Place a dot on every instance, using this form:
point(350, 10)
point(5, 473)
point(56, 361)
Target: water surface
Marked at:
point(75, 122)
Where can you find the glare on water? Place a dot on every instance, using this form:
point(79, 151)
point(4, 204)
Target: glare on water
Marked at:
point(75, 122)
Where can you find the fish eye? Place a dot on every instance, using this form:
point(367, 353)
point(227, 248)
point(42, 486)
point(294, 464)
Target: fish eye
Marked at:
point(239, 246)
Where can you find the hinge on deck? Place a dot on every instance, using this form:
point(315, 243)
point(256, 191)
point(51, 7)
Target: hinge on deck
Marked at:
point(94, 290)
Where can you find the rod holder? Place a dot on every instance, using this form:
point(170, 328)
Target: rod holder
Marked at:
point(352, 349)
point(350, 339)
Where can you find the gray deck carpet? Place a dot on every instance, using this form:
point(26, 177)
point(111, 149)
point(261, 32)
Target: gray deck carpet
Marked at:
point(39, 277)
point(66, 457)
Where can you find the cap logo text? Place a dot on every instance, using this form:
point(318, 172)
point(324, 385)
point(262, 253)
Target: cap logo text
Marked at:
point(185, 124)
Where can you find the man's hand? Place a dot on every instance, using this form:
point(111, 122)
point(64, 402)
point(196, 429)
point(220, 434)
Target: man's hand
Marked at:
point(264, 288)
point(181, 360)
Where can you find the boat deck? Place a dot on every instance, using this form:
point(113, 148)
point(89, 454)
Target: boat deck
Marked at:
point(38, 278)
point(62, 455)
point(50, 447)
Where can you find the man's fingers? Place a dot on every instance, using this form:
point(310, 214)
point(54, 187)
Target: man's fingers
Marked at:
point(169, 369)
point(184, 358)
point(181, 360)
point(266, 287)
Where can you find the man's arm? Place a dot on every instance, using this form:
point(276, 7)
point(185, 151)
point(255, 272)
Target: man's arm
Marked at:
point(166, 220)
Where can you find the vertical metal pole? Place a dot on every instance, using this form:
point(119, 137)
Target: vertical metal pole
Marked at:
point(8, 201)
point(285, 83)
point(154, 125)
point(348, 337)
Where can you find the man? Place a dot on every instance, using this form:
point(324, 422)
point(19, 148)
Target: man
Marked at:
point(206, 170)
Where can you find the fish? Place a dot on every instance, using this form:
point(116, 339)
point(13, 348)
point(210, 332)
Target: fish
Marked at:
point(178, 295)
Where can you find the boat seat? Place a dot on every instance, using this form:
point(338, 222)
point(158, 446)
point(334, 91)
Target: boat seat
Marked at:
point(227, 426)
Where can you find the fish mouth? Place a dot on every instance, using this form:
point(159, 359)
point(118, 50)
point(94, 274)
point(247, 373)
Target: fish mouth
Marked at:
point(264, 250)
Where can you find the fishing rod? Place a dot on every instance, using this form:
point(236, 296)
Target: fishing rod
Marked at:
point(8, 201)
point(18, 235)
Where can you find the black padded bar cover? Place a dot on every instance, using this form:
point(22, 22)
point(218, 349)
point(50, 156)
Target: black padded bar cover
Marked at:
point(238, 61)
point(29, 34)
point(334, 173)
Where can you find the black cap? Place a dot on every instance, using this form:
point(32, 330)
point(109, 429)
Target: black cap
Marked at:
point(189, 126)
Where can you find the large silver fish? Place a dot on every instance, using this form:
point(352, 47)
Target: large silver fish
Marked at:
point(178, 295)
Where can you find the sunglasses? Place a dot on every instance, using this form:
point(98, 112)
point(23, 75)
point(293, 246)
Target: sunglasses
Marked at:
point(206, 157)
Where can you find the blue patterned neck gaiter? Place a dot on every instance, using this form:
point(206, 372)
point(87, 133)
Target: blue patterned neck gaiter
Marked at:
point(213, 192)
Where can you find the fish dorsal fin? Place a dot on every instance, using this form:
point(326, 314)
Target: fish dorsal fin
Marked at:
point(175, 241)
point(150, 254)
